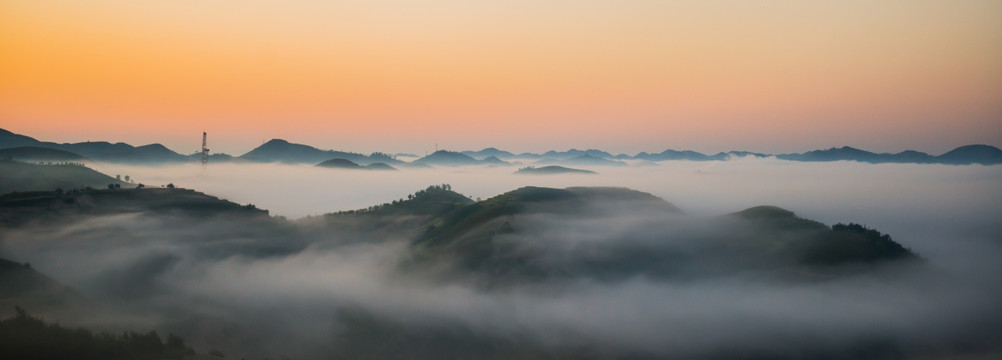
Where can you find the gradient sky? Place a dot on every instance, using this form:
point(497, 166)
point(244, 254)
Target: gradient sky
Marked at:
point(401, 76)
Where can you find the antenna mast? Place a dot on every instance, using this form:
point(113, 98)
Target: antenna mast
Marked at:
point(205, 151)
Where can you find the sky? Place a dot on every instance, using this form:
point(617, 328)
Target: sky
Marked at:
point(405, 76)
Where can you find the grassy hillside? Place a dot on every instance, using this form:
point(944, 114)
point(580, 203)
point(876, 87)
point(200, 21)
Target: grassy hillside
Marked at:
point(539, 234)
point(23, 286)
point(22, 176)
point(19, 208)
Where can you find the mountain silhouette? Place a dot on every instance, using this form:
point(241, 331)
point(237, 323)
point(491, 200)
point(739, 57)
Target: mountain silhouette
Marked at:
point(278, 150)
point(34, 153)
point(98, 150)
point(582, 160)
point(340, 164)
point(448, 158)
point(972, 154)
point(488, 152)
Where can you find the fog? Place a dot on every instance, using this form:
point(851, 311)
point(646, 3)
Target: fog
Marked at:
point(204, 281)
point(920, 205)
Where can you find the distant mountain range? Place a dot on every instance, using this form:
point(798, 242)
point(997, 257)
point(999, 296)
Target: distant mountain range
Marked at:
point(278, 150)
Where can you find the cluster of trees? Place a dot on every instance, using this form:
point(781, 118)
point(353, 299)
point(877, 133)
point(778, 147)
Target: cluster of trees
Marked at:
point(27, 337)
point(46, 163)
point(416, 195)
point(380, 155)
point(851, 242)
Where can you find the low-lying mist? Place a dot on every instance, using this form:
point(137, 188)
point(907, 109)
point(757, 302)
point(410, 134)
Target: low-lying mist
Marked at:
point(920, 205)
point(204, 280)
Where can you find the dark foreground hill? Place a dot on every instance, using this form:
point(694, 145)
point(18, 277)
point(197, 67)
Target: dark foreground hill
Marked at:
point(25, 287)
point(610, 234)
point(172, 252)
point(24, 336)
point(22, 176)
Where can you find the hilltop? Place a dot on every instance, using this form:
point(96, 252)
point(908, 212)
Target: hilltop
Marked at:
point(24, 286)
point(351, 165)
point(447, 158)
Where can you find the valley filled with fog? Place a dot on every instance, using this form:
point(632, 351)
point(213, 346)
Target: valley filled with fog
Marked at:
point(927, 207)
point(259, 287)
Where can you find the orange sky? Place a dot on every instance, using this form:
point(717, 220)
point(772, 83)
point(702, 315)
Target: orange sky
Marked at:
point(393, 76)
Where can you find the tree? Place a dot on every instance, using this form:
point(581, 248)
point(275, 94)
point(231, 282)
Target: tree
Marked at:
point(118, 177)
point(170, 186)
point(126, 178)
point(140, 186)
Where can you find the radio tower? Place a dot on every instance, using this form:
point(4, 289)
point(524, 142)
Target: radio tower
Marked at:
point(205, 151)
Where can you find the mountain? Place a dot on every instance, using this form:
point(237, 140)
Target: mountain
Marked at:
point(508, 240)
point(122, 152)
point(912, 156)
point(98, 150)
point(582, 160)
point(674, 155)
point(348, 164)
point(501, 154)
point(9, 140)
point(34, 153)
point(278, 150)
point(847, 153)
point(972, 154)
point(447, 158)
point(574, 153)
point(340, 164)
point(20, 176)
point(494, 160)
point(834, 154)
point(380, 167)
point(551, 170)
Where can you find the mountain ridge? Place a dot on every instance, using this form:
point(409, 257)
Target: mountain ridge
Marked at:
point(279, 150)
